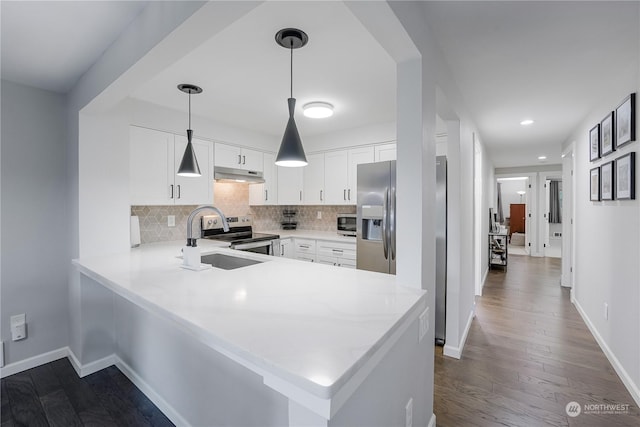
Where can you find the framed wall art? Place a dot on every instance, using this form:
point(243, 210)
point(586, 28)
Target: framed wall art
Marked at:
point(606, 181)
point(607, 135)
point(594, 141)
point(626, 121)
point(595, 185)
point(625, 177)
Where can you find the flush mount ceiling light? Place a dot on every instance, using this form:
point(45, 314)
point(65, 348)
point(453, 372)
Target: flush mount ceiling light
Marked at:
point(318, 110)
point(189, 164)
point(526, 122)
point(542, 158)
point(291, 152)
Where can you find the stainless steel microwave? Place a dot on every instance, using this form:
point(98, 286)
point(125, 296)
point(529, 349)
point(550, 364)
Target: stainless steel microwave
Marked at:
point(346, 224)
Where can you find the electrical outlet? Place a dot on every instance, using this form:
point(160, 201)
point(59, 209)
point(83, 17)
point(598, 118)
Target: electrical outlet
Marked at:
point(18, 327)
point(424, 324)
point(408, 417)
point(319, 214)
point(171, 221)
point(606, 311)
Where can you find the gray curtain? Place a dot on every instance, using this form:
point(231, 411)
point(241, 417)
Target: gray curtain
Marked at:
point(555, 213)
point(500, 211)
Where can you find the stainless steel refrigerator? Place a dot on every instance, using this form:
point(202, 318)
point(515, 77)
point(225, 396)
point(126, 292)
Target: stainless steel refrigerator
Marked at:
point(441, 249)
point(376, 218)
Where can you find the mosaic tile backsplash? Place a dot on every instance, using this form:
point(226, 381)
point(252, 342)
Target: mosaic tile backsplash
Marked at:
point(233, 200)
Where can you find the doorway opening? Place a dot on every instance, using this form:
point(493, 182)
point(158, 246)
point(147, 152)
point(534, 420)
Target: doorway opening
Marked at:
point(512, 194)
point(553, 217)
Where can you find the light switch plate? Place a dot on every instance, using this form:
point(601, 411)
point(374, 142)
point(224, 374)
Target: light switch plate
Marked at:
point(171, 221)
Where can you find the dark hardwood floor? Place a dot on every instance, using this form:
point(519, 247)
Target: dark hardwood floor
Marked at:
point(54, 395)
point(528, 354)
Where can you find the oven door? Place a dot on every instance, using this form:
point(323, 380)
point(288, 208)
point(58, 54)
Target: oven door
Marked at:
point(265, 247)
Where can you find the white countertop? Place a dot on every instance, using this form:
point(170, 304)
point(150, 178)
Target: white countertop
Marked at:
point(312, 234)
point(310, 325)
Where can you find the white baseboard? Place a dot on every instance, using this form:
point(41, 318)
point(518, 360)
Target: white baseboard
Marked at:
point(32, 362)
point(456, 352)
point(90, 368)
point(622, 373)
point(432, 421)
point(148, 391)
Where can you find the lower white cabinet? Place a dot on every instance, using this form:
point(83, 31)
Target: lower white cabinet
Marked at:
point(305, 250)
point(286, 248)
point(337, 253)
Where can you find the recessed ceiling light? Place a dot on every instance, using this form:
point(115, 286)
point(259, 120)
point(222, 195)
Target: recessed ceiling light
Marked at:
point(526, 122)
point(318, 110)
point(542, 157)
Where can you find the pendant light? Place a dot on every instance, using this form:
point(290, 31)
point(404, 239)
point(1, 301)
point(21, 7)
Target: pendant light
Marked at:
point(189, 164)
point(291, 153)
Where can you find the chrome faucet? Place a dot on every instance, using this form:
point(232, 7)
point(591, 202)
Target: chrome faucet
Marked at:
point(191, 241)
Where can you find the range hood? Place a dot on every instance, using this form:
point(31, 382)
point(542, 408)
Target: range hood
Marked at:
point(223, 174)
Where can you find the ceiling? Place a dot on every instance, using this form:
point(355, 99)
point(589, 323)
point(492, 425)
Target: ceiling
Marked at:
point(553, 62)
point(246, 75)
point(50, 44)
point(547, 61)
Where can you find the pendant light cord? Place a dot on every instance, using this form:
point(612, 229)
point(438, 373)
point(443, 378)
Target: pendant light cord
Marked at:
point(189, 109)
point(291, 68)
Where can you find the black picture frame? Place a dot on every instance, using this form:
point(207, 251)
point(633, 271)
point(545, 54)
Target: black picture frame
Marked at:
point(594, 143)
point(607, 135)
point(594, 186)
point(607, 181)
point(626, 121)
point(625, 177)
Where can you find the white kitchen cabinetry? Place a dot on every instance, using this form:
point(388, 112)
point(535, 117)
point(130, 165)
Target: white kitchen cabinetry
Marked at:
point(336, 253)
point(385, 152)
point(357, 156)
point(231, 156)
point(305, 250)
point(287, 248)
point(154, 160)
point(290, 185)
point(341, 169)
point(313, 179)
point(266, 193)
point(336, 178)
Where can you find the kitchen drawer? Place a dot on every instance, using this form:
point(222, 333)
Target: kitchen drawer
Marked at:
point(308, 258)
point(336, 261)
point(345, 251)
point(305, 246)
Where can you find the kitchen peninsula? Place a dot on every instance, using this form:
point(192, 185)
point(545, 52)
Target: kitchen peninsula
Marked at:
point(281, 342)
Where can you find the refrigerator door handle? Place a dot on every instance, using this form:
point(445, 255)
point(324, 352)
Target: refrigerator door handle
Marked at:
point(385, 218)
point(392, 222)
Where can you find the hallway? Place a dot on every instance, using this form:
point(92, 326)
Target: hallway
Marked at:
point(528, 354)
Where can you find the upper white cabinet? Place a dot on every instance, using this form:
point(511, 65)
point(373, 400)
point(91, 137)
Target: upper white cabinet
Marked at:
point(357, 156)
point(385, 152)
point(340, 176)
point(290, 186)
point(154, 160)
point(238, 158)
point(313, 179)
point(266, 193)
point(336, 178)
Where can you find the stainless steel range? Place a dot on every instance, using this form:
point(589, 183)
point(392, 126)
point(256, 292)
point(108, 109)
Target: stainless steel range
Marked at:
point(240, 235)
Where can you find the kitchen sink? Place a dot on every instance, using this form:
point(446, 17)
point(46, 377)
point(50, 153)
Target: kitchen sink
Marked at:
point(227, 262)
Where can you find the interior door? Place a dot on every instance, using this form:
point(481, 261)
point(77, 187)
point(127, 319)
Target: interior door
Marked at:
point(517, 213)
point(547, 189)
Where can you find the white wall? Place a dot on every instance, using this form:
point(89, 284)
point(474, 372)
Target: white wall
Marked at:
point(607, 251)
point(34, 219)
point(165, 119)
point(373, 134)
